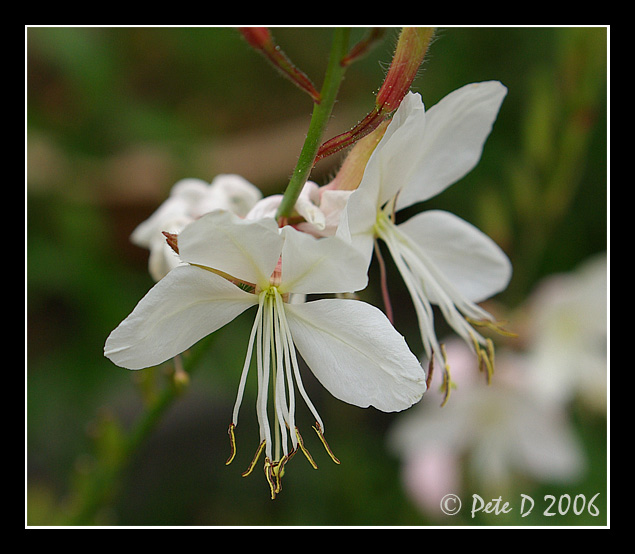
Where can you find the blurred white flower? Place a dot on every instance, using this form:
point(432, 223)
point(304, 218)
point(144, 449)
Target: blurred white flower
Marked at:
point(190, 199)
point(567, 335)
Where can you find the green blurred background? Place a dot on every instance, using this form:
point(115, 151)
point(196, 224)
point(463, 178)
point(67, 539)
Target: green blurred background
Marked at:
point(115, 116)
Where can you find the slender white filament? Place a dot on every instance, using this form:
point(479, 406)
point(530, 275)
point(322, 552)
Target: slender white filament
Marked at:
point(276, 359)
point(280, 401)
point(420, 275)
point(296, 369)
point(262, 363)
point(245, 371)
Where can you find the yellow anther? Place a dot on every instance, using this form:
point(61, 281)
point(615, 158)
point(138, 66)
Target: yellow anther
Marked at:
point(273, 473)
point(496, 326)
point(304, 450)
point(271, 479)
point(255, 460)
point(320, 434)
point(485, 357)
point(478, 350)
point(489, 360)
point(448, 384)
point(232, 444)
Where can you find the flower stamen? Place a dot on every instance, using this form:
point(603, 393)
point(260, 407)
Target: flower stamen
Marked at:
point(424, 280)
point(485, 356)
point(496, 326)
point(448, 384)
point(273, 473)
point(277, 366)
point(232, 444)
point(430, 371)
point(318, 429)
point(253, 463)
point(304, 450)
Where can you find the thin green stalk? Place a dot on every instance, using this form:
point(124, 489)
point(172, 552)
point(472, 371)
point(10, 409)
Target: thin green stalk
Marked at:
point(105, 480)
point(319, 120)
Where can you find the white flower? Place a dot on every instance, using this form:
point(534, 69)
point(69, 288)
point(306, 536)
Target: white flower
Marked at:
point(190, 199)
point(443, 259)
point(234, 264)
point(317, 210)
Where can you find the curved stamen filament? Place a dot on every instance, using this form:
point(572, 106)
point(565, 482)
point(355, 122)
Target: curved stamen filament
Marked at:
point(294, 363)
point(262, 359)
point(245, 371)
point(284, 411)
point(384, 283)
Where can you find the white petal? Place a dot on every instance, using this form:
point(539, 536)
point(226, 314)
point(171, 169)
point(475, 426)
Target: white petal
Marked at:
point(265, 208)
point(307, 207)
point(248, 250)
point(360, 233)
point(398, 154)
point(466, 257)
point(232, 193)
point(314, 266)
point(455, 132)
point(389, 168)
point(355, 352)
point(332, 204)
point(188, 304)
point(190, 189)
point(180, 206)
point(162, 258)
point(360, 215)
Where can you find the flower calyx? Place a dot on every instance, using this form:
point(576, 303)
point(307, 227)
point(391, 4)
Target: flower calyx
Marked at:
point(173, 240)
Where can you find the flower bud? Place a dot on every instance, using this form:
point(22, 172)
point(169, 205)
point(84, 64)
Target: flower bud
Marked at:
point(257, 37)
point(411, 49)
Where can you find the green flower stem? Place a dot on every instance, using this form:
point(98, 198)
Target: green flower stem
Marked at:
point(103, 484)
point(319, 119)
